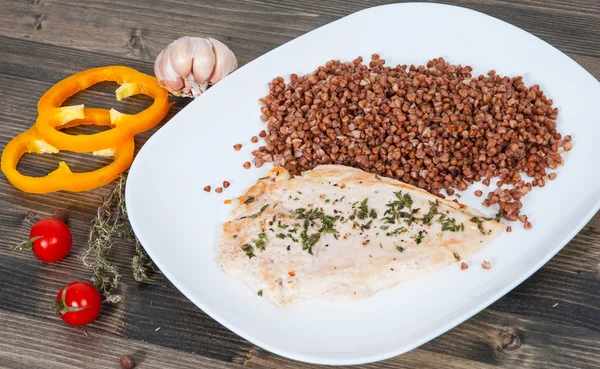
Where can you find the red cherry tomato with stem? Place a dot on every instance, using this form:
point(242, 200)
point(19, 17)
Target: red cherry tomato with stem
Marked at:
point(78, 303)
point(50, 239)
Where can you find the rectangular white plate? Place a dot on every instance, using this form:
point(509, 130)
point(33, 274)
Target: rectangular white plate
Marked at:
point(179, 224)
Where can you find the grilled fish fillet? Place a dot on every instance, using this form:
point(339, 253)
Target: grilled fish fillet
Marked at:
point(337, 232)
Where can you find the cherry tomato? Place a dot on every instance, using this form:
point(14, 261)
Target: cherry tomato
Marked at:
point(52, 239)
point(78, 303)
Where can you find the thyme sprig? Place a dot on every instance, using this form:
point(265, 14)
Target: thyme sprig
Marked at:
point(395, 209)
point(479, 221)
point(256, 215)
point(433, 211)
point(363, 209)
point(310, 217)
point(449, 224)
point(111, 225)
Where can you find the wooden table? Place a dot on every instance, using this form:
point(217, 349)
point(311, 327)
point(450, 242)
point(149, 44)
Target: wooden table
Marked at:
point(552, 320)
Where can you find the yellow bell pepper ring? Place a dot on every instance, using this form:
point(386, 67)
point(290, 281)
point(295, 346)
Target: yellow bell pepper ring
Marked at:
point(63, 178)
point(52, 116)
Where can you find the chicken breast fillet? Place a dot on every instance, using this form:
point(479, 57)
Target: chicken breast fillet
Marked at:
point(337, 232)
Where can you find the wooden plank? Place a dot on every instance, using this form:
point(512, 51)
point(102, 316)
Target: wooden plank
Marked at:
point(417, 358)
point(502, 339)
point(76, 347)
point(575, 6)
point(139, 31)
point(251, 28)
point(515, 341)
point(571, 28)
point(147, 307)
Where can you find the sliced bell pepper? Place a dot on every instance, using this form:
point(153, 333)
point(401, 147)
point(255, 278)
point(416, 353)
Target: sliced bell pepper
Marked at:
point(52, 116)
point(63, 178)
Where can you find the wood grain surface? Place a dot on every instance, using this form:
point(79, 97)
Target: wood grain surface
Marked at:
point(552, 320)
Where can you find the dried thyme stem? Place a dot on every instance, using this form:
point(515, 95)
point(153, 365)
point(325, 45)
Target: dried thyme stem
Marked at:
point(110, 225)
point(141, 263)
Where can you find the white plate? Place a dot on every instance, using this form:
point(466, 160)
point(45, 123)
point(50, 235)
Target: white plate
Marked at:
point(179, 224)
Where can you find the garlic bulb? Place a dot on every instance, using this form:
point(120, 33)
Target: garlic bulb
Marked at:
point(187, 66)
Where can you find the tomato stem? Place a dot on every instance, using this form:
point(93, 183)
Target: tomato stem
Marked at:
point(61, 306)
point(27, 245)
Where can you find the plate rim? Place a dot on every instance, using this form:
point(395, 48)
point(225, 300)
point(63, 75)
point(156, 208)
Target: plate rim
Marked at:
point(488, 298)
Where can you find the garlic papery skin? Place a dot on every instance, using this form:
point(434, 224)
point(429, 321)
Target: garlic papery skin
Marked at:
point(187, 66)
point(225, 61)
point(165, 73)
point(203, 59)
